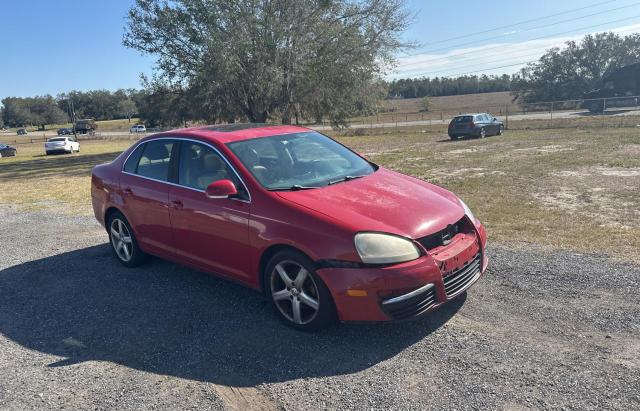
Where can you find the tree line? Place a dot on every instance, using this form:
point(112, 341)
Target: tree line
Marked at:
point(97, 104)
point(447, 86)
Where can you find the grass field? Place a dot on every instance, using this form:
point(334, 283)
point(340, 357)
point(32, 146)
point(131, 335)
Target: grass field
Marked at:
point(573, 189)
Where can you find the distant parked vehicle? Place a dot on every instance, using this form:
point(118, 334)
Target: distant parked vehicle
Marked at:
point(138, 128)
point(7, 151)
point(64, 131)
point(475, 125)
point(615, 86)
point(85, 126)
point(22, 131)
point(61, 145)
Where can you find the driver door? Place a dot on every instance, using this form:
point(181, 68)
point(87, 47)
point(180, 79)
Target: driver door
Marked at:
point(209, 233)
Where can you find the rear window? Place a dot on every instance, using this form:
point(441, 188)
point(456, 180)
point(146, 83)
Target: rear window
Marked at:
point(463, 119)
point(58, 139)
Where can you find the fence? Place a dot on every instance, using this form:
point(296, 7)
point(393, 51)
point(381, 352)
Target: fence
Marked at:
point(603, 112)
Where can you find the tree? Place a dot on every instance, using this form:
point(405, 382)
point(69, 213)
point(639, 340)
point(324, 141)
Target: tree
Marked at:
point(127, 108)
point(425, 104)
point(16, 113)
point(562, 74)
point(259, 59)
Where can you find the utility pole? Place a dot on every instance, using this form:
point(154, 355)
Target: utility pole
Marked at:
point(72, 115)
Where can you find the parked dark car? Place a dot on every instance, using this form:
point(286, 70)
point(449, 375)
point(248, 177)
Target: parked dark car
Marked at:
point(7, 151)
point(475, 125)
point(22, 131)
point(64, 131)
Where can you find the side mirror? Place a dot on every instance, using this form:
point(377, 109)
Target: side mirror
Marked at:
point(221, 189)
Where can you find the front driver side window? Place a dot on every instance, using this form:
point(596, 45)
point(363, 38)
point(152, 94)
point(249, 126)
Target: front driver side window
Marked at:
point(200, 166)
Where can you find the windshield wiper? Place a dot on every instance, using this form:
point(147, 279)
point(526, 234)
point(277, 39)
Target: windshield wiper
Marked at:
point(345, 178)
point(295, 187)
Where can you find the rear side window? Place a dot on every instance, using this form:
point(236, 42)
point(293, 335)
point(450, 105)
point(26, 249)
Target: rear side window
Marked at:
point(132, 162)
point(155, 159)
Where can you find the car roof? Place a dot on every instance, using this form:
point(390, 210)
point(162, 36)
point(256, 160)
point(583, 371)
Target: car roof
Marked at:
point(227, 133)
point(470, 114)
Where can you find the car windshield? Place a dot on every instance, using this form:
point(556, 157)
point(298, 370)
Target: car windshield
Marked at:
point(299, 161)
point(57, 139)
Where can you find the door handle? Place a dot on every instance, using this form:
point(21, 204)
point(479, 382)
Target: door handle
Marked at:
point(176, 204)
point(127, 191)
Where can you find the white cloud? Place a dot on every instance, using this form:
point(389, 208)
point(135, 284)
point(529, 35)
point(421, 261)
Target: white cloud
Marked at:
point(496, 58)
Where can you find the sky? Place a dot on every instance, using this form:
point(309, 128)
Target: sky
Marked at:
point(50, 47)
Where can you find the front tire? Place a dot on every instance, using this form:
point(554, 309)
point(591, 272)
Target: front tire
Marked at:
point(123, 241)
point(298, 295)
point(500, 130)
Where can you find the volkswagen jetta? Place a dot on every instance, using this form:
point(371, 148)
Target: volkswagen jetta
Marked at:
point(324, 233)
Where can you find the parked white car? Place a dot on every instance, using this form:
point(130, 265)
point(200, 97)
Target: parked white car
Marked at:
point(61, 145)
point(138, 128)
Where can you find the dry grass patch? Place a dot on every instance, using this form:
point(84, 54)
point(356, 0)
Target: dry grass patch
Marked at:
point(34, 181)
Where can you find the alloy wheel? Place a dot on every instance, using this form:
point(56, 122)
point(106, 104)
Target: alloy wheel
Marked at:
point(121, 240)
point(483, 133)
point(294, 292)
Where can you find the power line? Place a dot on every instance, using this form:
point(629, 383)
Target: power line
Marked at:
point(539, 51)
point(422, 74)
point(492, 68)
point(534, 28)
point(533, 39)
point(519, 23)
point(475, 65)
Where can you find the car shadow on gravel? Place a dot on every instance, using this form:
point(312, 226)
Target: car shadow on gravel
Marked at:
point(167, 319)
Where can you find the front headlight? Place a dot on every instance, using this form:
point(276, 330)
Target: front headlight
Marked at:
point(468, 212)
point(377, 248)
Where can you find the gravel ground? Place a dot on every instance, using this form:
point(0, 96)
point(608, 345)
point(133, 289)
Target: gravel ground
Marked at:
point(79, 331)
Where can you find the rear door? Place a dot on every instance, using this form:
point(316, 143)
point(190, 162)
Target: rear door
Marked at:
point(145, 194)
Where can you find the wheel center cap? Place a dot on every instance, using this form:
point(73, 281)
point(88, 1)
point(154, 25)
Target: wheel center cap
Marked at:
point(294, 291)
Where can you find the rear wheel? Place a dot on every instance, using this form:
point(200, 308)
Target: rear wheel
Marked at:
point(483, 133)
point(300, 298)
point(123, 241)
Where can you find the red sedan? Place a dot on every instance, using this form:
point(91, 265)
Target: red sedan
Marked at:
point(324, 233)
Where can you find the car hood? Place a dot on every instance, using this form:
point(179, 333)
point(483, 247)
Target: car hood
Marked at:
point(384, 201)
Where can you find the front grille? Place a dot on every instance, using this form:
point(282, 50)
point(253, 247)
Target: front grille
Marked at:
point(444, 237)
point(461, 277)
point(413, 306)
